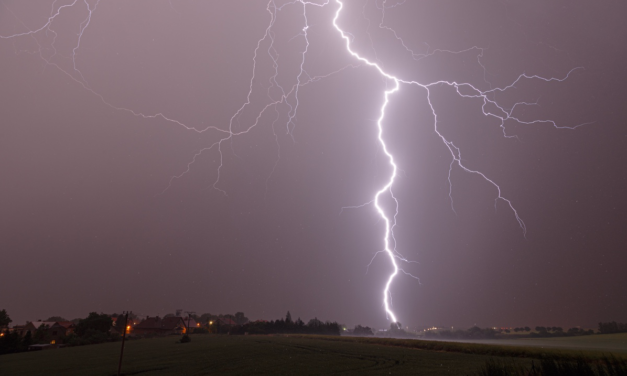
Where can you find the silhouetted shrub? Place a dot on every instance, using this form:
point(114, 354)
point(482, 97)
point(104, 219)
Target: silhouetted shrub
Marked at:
point(185, 339)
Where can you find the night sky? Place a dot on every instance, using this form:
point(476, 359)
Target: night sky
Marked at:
point(91, 218)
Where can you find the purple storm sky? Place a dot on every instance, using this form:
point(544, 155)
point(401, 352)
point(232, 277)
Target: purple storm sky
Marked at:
point(91, 219)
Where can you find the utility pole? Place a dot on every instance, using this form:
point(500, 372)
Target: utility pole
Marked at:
point(189, 315)
point(123, 339)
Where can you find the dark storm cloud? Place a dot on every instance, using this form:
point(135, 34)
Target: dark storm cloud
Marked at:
point(86, 224)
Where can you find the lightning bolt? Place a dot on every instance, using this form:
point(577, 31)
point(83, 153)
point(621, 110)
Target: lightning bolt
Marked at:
point(278, 96)
point(502, 114)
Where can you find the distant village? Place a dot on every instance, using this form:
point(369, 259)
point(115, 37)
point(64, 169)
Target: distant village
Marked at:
point(56, 332)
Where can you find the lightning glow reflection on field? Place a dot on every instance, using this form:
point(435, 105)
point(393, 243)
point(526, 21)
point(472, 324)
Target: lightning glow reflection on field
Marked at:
point(288, 97)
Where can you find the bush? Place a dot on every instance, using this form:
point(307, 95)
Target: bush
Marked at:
point(185, 339)
point(362, 331)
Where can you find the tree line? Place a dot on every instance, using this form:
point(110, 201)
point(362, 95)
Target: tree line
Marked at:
point(612, 327)
point(540, 331)
point(288, 326)
point(557, 331)
point(239, 317)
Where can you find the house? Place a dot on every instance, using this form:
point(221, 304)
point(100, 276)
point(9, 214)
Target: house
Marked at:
point(190, 323)
point(54, 333)
point(32, 327)
point(161, 326)
point(60, 329)
point(226, 321)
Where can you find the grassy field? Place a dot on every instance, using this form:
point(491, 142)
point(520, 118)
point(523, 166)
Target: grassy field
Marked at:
point(615, 343)
point(243, 355)
point(286, 355)
point(606, 343)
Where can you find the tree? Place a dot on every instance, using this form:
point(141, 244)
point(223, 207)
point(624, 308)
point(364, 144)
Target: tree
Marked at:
point(612, 327)
point(5, 320)
point(314, 323)
point(206, 317)
point(288, 318)
point(240, 319)
point(120, 324)
point(41, 334)
point(527, 329)
point(574, 331)
point(55, 318)
point(27, 340)
point(131, 315)
point(96, 322)
point(9, 342)
point(217, 326)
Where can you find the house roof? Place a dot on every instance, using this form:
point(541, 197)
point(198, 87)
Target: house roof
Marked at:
point(37, 324)
point(227, 321)
point(65, 324)
point(191, 323)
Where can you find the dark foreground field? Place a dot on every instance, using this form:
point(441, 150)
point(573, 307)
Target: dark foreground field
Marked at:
point(241, 355)
point(263, 355)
